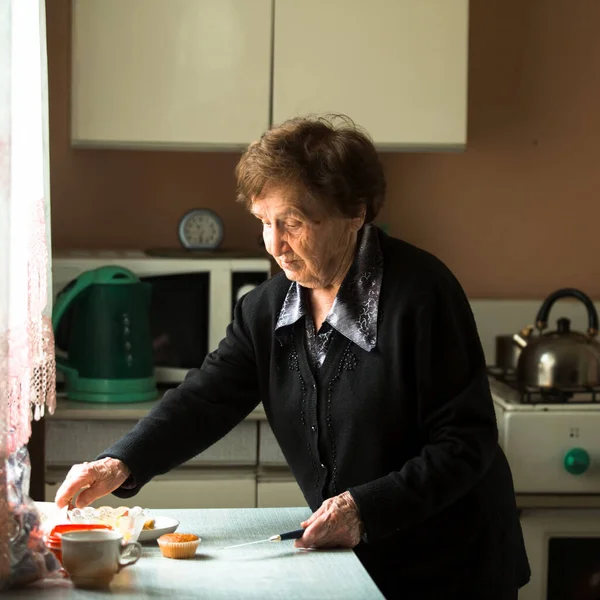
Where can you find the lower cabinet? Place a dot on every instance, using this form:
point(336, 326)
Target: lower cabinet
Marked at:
point(277, 487)
point(185, 488)
point(237, 489)
point(279, 493)
point(245, 469)
point(71, 441)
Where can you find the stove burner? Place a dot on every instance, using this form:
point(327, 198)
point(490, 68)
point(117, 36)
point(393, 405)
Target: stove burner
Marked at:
point(538, 395)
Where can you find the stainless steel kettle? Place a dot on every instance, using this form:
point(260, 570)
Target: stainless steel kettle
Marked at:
point(561, 359)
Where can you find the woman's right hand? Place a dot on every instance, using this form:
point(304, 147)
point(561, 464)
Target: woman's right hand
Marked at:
point(96, 479)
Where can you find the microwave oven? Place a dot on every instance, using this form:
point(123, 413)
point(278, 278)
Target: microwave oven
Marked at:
point(192, 298)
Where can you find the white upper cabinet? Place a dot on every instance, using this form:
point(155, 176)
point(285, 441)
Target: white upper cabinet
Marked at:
point(396, 67)
point(171, 73)
point(215, 74)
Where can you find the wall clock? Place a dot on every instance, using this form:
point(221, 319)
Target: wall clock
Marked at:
point(201, 229)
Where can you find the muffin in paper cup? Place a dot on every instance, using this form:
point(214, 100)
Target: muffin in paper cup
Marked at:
point(127, 521)
point(178, 545)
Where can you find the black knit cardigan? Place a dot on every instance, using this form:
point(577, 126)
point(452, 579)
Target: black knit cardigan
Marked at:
point(411, 429)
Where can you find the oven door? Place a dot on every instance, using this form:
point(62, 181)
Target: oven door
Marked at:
point(563, 546)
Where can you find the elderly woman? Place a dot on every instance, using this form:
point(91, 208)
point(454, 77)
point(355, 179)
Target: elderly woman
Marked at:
point(366, 357)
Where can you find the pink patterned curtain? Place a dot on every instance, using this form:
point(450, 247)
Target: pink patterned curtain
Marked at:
point(27, 367)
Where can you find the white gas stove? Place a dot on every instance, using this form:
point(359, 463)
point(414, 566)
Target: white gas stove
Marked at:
point(552, 442)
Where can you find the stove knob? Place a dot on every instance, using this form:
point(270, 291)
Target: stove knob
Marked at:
point(577, 461)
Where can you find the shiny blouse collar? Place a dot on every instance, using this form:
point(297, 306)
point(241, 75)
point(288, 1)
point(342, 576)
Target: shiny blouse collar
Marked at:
point(355, 308)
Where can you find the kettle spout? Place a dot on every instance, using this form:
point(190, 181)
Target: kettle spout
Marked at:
point(521, 338)
point(522, 343)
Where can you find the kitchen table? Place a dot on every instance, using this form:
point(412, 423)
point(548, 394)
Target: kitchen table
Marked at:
point(270, 570)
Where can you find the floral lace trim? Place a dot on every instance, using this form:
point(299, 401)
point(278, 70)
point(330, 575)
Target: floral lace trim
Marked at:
point(30, 381)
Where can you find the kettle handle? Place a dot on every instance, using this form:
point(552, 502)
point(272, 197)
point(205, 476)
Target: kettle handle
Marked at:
point(541, 320)
point(63, 300)
point(68, 294)
point(108, 274)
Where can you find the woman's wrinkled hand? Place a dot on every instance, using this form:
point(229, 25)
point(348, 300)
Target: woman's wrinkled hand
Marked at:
point(96, 479)
point(336, 523)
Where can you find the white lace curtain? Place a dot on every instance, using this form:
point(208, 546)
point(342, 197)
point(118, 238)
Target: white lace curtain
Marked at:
point(27, 368)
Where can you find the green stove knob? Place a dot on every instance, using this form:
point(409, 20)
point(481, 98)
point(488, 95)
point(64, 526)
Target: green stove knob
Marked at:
point(577, 461)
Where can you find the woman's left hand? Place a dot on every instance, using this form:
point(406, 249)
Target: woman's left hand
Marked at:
point(336, 523)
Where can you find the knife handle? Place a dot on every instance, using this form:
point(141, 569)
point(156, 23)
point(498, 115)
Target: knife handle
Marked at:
point(292, 535)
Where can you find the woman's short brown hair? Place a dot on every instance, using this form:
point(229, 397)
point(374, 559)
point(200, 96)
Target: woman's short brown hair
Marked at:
point(328, 157)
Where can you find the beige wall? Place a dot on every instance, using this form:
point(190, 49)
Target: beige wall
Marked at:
point(515, 215)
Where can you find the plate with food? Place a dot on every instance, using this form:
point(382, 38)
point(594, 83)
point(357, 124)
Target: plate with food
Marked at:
point(128, 521)
point(154, 527)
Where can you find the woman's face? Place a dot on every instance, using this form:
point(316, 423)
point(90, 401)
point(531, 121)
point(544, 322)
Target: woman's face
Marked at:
point(312, 246)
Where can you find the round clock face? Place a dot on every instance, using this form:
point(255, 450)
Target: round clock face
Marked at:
point(201, 229)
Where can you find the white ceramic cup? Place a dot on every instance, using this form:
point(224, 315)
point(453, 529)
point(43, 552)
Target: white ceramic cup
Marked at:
point(92, 558)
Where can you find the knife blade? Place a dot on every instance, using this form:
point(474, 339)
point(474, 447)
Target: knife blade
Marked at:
point(289, 535)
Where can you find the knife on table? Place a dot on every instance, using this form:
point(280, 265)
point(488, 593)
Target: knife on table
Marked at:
point(289, 535)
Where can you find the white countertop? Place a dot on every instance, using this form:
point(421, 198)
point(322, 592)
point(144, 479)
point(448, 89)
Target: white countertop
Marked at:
point(124, 411)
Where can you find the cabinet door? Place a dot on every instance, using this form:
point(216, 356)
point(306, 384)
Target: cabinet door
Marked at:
point(274, 494)
point(277, 487)
point(77, 440)
point(192, 489)
point(178, 73)
point(398, 68)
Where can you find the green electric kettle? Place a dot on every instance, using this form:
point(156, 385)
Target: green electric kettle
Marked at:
point(109, 343)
